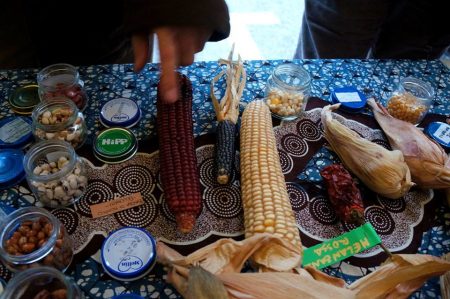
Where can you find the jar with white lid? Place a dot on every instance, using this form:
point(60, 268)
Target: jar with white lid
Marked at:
point(31, 237)
point(42, 282)
point(411, 100)
point(287, 91)
point(59, 119)
point(62, 79)
point(55, 173)
point(128, 253)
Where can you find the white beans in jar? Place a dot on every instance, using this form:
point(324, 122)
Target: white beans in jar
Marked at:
point(59, 119)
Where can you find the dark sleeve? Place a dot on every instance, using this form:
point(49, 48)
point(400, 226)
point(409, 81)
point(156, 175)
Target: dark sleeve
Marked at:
point(145, 15)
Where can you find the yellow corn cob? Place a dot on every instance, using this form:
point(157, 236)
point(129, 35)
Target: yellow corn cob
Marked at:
point(267, 208)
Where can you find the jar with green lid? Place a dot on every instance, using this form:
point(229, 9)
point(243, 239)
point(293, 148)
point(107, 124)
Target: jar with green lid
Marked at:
point(115, 145)
point(287, 91)
point(59, 119)
point(42, 282)
point(24, 99)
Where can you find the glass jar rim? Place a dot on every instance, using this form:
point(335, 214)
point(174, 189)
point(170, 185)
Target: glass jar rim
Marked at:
point(424, 85)
point(11, 223)
point(42, 145)
point(56, 101)
point(57, 68)
point(16, 281)
point(294, 70)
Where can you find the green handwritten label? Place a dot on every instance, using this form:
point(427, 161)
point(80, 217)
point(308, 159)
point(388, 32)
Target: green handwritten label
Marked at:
point(342, 247)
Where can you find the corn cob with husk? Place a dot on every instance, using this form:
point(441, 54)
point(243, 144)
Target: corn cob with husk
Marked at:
point(267, 208)
point(427, 160)
point(384, 172)
point(178, 160)
point(227, 112)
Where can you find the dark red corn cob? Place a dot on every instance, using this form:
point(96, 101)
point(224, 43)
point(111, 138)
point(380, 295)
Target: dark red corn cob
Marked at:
point(343, 194)
point(178, 161)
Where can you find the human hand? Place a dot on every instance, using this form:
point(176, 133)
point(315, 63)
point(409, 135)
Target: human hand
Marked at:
point(177, 46)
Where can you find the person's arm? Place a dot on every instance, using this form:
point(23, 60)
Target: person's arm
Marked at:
point(182, 29)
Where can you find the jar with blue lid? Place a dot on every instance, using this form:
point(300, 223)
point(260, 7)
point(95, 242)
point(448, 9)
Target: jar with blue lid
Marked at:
point(16, 132)
point(439, 132)
point(120, 112)
point(350, 98)
point(11, 168)
point(128, 253)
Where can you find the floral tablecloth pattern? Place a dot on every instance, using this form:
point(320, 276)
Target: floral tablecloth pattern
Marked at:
point(375, 78)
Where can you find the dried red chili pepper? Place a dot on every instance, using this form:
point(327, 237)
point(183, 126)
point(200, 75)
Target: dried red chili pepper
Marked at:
point(343, 194)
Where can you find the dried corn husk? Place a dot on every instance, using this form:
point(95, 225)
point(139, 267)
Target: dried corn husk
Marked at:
point(395, 279)
point(427, 160)
point(384, 172)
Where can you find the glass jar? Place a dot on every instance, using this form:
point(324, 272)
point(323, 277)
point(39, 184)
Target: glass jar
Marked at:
point(42, 282)
point(32, 237)
point(411, 100)
point(59, 119)
point(55, 174)
point(287, 91)
point(62, 80)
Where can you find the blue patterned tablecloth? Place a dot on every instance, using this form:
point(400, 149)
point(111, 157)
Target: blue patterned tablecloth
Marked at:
point(105, 82)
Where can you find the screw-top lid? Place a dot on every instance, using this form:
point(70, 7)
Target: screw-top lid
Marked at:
point(24, 99)
point(115, 145)
point(11, 168)
point(120, 112)
point(128, 253)
point(350, 98)
point(440, 132)
point(15, 132)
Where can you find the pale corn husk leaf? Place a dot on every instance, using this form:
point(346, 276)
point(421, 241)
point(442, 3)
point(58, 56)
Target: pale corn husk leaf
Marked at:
point(280, 285)
point(203, 284)
point(227, 255)
point(396, 279)
point(384, 172)
point(426, 159)
point(445, 280)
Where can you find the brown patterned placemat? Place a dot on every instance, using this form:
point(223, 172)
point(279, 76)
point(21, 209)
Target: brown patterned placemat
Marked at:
point(400, 223)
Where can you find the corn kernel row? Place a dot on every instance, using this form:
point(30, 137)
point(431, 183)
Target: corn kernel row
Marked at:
point(267, 208)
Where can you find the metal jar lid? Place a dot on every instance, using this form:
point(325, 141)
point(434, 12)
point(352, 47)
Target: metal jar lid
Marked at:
point(120, 112)
point(115, 145)
point(439, 132)
point(11, 168)
point(15, 132)
point(129, 253)
point(351, 99)
point(24, 99)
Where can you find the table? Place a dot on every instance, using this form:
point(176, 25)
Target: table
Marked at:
point(430, 224)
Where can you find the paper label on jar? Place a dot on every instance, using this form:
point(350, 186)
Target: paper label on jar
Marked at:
point(443, 133)
point(14, 130)
point(348, 97)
